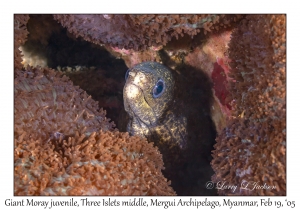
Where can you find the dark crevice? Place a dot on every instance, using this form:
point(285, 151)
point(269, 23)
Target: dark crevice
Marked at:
point(50, 45)
point(48, 40)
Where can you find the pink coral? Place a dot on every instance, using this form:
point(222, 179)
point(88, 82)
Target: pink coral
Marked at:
point(219, 79)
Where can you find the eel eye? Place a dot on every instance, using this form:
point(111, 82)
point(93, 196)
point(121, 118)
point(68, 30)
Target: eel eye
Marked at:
point(126, 75)
point(158, 88)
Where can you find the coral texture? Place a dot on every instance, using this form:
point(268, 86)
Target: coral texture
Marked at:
point(132, 57)
point(105, 163)
point(20, 33)
point(250, 152)
point(141, 31)
point(60, 150)
point(64, 145)
point(47, 104)
point(42, 30)
point(105, 85)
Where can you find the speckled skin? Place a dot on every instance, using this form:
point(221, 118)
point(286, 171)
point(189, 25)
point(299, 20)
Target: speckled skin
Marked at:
point(178, 121)
point(151, 117)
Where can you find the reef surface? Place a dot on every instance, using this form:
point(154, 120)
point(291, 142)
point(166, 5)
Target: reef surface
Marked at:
point(234, 67)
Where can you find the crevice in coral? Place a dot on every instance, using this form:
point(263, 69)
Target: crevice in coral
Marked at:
point(88, 65)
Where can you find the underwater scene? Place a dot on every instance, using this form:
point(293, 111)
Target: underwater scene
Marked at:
point(152, 104)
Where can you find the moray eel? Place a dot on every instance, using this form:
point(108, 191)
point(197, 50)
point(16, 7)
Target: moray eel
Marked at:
point(171, 108)
point(150, 102)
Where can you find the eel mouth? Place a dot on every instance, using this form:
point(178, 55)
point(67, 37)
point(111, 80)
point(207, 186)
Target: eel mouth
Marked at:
point(132, 91)
point(143, 118)
point(136, 126)
point(136, 104)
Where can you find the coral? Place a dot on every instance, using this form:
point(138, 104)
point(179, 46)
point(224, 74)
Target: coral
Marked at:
point(220, 81)
point(105, 86)
point(132, 57)
point(42, 27)
point(105, 163)
point(64, 145)
point(251, 149)
point(36, 48)
point(54, 119)
point(196, 48)
point(20, 35)
point(141, 31)
point(47, 104)
point(211, 57)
